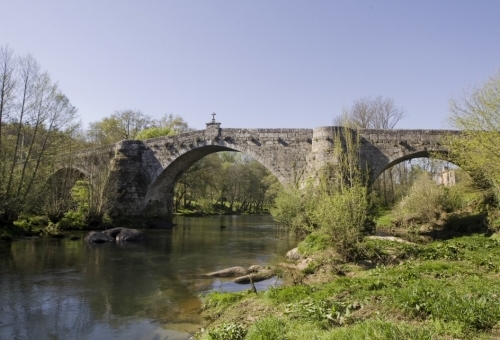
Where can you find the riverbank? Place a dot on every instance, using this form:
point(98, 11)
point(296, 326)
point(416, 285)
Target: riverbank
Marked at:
point(399, 290)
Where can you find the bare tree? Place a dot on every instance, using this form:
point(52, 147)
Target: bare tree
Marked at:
point(378, 113)
point(367, 113)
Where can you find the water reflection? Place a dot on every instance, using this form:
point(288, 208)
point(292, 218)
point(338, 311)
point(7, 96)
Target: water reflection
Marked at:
point(63, 289)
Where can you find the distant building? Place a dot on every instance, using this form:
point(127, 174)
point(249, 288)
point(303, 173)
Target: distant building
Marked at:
point(446, 177)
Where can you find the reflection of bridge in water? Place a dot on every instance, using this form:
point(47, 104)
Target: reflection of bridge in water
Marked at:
point(147, 170)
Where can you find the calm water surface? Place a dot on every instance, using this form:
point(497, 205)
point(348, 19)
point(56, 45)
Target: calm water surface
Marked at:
point(63, 289)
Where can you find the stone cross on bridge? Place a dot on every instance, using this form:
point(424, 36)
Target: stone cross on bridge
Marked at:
point(146, 170)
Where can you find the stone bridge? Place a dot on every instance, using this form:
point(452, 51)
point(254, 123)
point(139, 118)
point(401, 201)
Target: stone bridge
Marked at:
point(147, 170)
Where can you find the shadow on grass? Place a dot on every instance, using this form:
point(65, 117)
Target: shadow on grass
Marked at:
point(459, 225)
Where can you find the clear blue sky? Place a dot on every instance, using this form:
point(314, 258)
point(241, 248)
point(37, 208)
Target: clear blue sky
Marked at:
point(258, 63)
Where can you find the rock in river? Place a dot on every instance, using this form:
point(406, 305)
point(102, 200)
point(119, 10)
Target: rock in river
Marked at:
point(130, 235)
point(119, 234)
point(255, 277)
point(97, 237)
point(229, 272)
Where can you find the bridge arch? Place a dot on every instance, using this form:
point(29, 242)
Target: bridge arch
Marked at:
point(159, 195)
point(438, 154)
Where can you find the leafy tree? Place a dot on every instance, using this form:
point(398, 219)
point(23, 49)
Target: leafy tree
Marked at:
point(122, 125)
point(168, 125)
point(477, 114)
point(36, 120)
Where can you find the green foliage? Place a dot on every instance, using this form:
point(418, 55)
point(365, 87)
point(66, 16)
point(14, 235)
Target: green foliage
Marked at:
point(337, 205)
point(37, 122)
point(227, 182)
point(314, 243)
point(477, 115)
point(30, 223)
point(206, 206)
point(268, 328)
point(228, 331)
point(288, 294)
point(325, 312)
point(290, 211)
point(73, 220)
point(342, 216)
point(385, 219)
point(121, 125)
point(479, 308)
point(382, 330)
point(440, 290)
point(154, 132)
point(424, 201)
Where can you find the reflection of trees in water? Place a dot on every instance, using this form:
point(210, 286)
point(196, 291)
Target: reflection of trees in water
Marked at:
point(68, 288)
point(35, 302)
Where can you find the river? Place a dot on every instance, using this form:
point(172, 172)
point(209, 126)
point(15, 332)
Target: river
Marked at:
point(64, 289)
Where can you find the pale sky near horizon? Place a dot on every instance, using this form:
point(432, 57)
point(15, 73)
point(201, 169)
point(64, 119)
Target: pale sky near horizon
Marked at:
point(258, 64)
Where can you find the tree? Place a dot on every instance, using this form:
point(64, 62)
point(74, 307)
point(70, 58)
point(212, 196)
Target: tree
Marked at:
point(378, 113)
point(477, 114)
point(367, 113)
point(36, 119)
point(168, 125)
point(122, 125)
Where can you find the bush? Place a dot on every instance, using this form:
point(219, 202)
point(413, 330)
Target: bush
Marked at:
point(73, 220)
point(313, 243)
point(343, 216)
point(27, 224)
point(289, 211)
point(424, 202)
point(228, 331)
point(206, 206)
point(337, 205)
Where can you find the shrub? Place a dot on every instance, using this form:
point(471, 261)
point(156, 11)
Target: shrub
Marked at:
point(228, 331)
point(313, 243)
point(73, 220)
point(290, 212)
point(27, 224)
point(337, 205)
point(424, 201)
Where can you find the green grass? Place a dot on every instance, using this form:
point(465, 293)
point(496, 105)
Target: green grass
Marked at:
point(385, 219)
point(442, 290)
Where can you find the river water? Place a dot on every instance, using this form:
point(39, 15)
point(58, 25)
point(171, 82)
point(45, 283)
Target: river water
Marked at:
point(64, 289)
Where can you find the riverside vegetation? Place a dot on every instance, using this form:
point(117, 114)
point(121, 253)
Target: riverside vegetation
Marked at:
point(437, 277)
point(39, 129)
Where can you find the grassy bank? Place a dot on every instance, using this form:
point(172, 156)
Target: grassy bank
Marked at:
point(439, 290)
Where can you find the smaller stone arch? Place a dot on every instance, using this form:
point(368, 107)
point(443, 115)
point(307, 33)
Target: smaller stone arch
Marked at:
point(441, 154)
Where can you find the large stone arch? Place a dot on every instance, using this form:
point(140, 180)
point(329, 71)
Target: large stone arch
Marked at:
point(159, 196)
